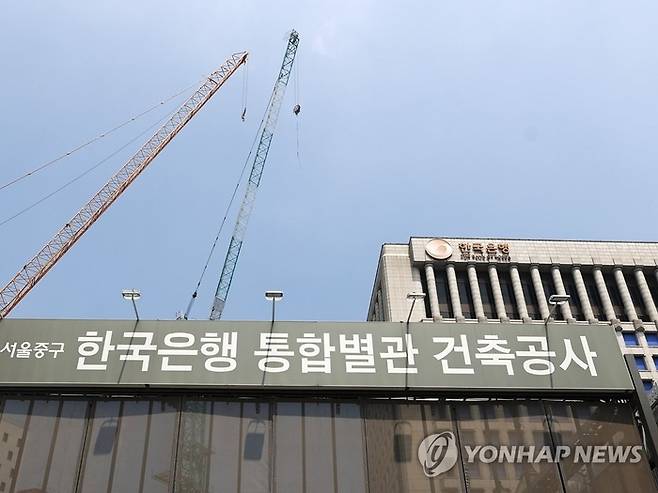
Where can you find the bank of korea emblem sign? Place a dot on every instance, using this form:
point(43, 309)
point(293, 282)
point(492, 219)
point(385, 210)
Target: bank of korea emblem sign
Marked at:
point(437, 453)
point(438, 249)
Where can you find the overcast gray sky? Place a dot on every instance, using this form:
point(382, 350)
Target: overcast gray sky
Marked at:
point(504, 119)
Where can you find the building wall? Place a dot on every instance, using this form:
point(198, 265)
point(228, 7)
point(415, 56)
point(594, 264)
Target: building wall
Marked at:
point(493, 280)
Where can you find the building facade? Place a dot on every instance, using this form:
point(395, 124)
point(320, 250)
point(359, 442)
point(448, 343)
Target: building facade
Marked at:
point(507, 281)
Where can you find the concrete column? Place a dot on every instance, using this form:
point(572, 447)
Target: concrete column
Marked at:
point(518, 293)
point(626, 299)
point(582, 295)
point(454, 293)
point(539, 291)
point(497, 294)
point(475, 293)
point(431, 292)
point(559, 287)
point(646, 295)
point(605, 296)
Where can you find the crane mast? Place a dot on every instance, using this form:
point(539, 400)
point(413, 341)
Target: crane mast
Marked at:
point(266, 133)
point(34, 270)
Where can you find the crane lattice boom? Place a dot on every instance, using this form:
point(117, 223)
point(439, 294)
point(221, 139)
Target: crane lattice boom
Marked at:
point(43, 261)
point(267, 132)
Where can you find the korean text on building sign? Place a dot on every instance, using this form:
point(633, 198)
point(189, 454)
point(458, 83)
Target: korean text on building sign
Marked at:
point(318, 352)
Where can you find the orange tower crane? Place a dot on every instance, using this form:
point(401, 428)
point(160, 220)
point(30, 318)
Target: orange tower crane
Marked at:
point(43, 261)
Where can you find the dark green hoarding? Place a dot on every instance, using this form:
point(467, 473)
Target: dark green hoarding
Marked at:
point(422, 356)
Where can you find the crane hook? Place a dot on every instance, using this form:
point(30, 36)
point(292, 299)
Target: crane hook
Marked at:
point(296, 109)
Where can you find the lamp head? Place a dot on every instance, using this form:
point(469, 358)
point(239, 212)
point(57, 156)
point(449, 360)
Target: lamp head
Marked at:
point(131, 294)
point(558, 299)
point(415, 296)
point(273, 295)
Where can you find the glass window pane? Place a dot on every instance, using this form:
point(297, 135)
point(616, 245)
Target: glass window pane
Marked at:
point(652, 339)
point(507, 290)
point(383, 474)
point(133, 424)
point(67, 452)
point(288, 454)
point(586, 424)
point(500, 427)
point(426, 300)
point(443, 292)
point(394, 433)
point(636, 296)
point(486, 294)
point(615, 296)
point(531, 303)
point(574, 303)
point(465, 295)
point(640, 363)
point(225, 447)
point(318, 447)
point(100, 447)
point(192, 470)
point(549, 290)
point(350, 448)
point(38, 442)
point(593, 295)
point(630, 339)
point(159, 456)
point(438, 418)
point(255, 460)
point(12, 429)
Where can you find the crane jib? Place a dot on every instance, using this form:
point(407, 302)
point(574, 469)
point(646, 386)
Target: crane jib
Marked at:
point(262, 150)
point(45, 259)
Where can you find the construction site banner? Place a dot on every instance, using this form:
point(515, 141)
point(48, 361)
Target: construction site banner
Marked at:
point(416, 356)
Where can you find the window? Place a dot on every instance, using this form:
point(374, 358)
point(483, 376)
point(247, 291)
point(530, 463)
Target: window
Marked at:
point(652, 339)
point(640, 362)
point(655, 361)
point(486, 295)
point(549, 289)
point(593, 295)
point(5, 437)
point(465, 296)
point(630, 339)
point(426, 299)
point(648, 385)
point(530, 296)
point(652, 282)
point(508, 294)
point(574, 303)
point(636, 296)
point(443, 292)
point(589, 424)
point(522, 420)
point(615, 297)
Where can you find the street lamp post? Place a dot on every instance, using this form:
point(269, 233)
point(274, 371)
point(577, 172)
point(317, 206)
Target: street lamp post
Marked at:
point(274, 296)
point(555, 300)
point(133, 295)
point(415, 297)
